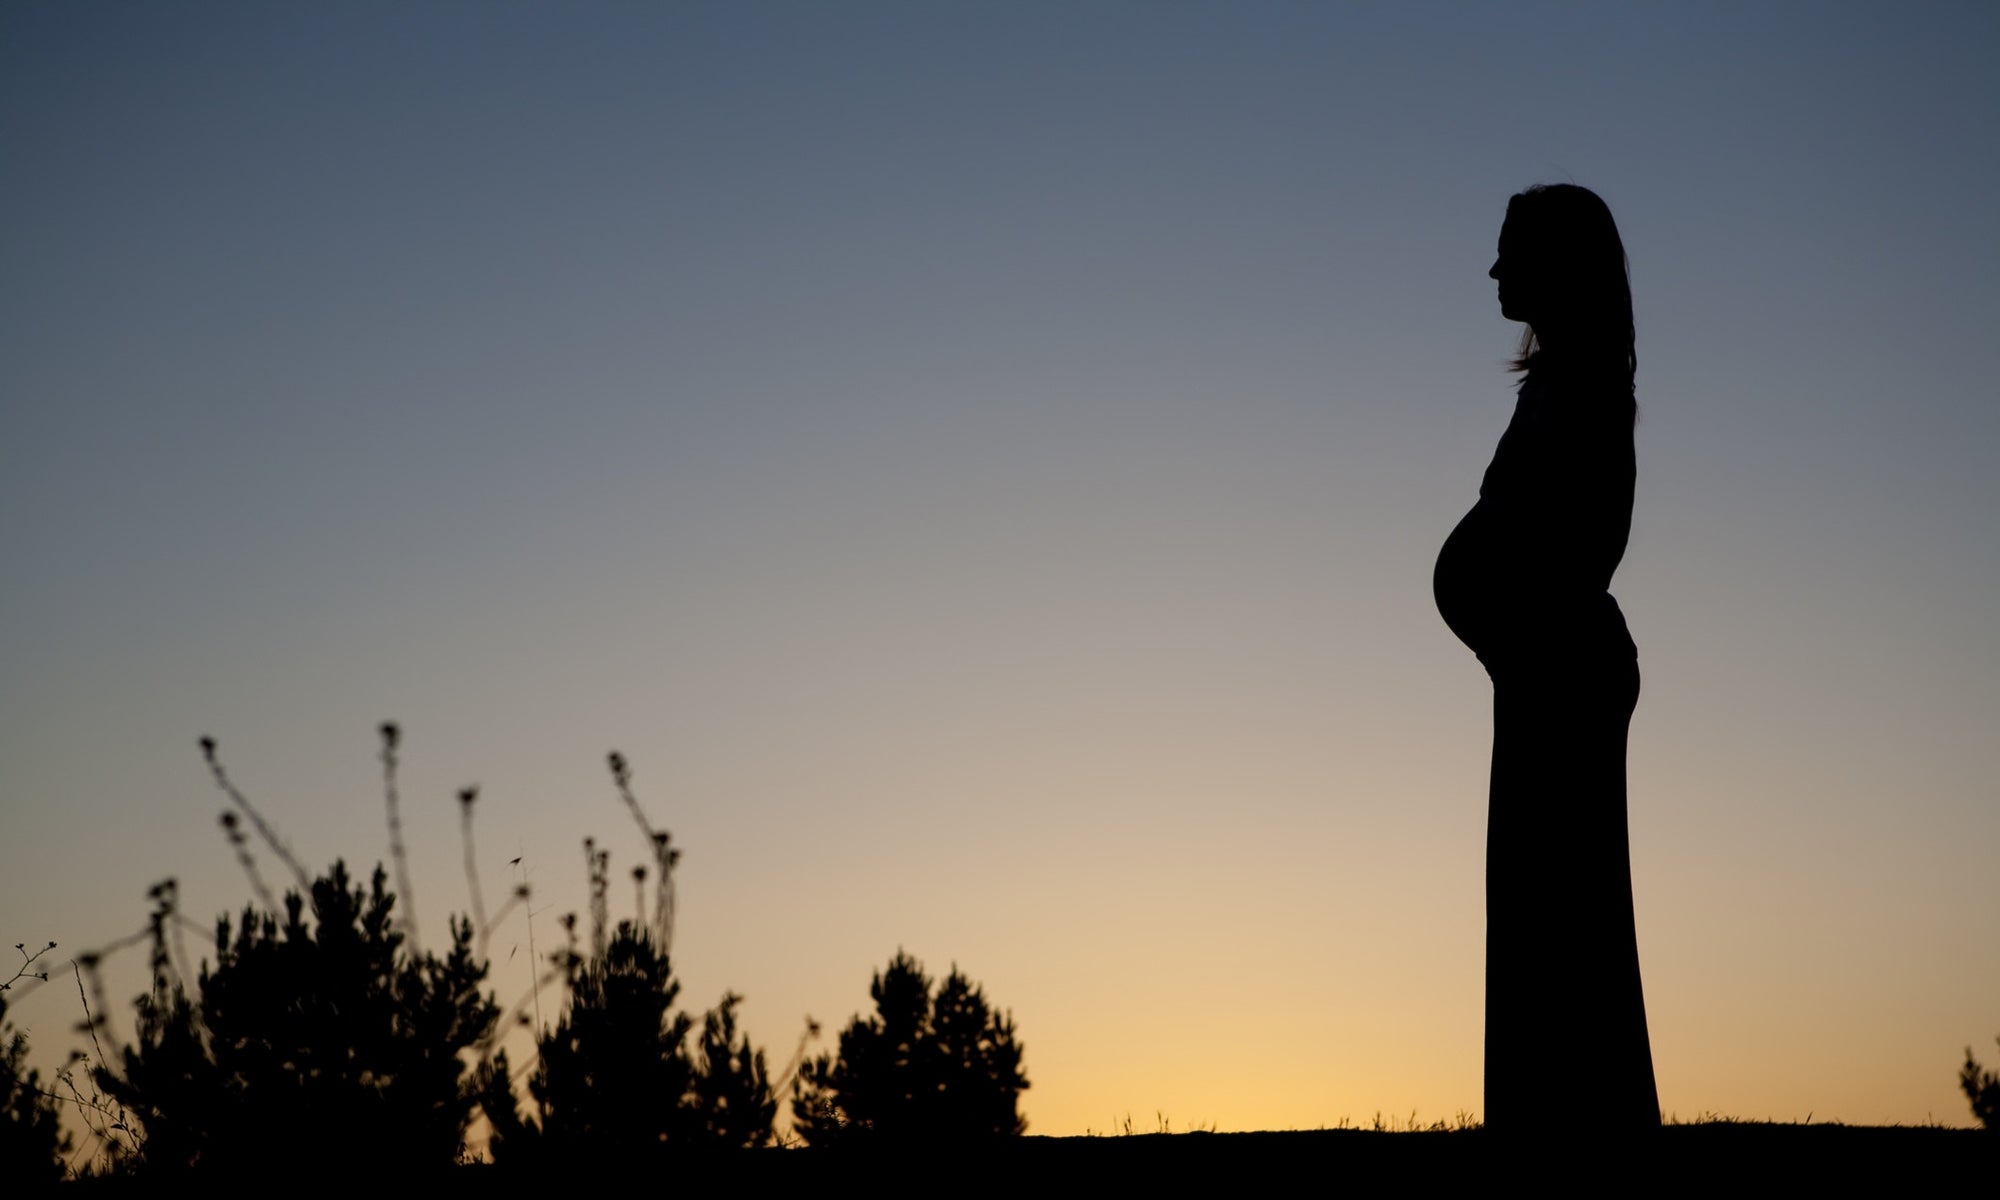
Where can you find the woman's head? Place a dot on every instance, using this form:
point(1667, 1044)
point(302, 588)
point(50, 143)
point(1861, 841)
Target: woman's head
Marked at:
point(1561, 271)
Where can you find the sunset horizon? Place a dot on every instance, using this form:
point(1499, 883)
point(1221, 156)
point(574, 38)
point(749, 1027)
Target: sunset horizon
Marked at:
point(983, 467)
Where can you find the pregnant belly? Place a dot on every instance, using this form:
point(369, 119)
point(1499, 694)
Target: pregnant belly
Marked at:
point(1464, 581)
point(1504, 599)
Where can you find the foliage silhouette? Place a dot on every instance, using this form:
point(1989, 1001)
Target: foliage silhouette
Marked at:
point(732, 1087)
point(926, 1067)
point(1982, 1090)
point(614, 1073)
point(616, 1077)
point(32, 1141)
point(324, 1034)
point(316, 1037)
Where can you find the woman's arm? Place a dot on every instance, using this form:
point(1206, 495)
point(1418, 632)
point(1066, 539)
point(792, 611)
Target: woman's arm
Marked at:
point(1576, 494)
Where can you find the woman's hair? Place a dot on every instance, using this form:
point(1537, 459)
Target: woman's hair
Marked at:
point(1568, 240)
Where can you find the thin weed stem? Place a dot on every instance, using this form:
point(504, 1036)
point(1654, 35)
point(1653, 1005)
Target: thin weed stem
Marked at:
point(790, 1073)
point(660, 843)
point(263, 827)
point(597, 865)
point(467, 796)
point(27, 961)
point(100, 1130)
point(232, 829)
point(518, 898)
point(391, 735)
point(90, 1022)
point(181, 959)
point(521, 893)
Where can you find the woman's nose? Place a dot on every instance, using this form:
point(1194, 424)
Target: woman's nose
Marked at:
point(1493, 272)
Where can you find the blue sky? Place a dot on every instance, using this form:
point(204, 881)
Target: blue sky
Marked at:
point(983, 464)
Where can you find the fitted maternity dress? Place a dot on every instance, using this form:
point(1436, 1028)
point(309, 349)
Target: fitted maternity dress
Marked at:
point(1524, 582)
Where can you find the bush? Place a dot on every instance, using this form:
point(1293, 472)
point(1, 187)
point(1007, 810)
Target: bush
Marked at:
point(331, 1041)
point(32, 1142)
point(316, 1041)
point(616, 1078)
point(732, 1088)
point(1982, 1089)
point(925, 1067)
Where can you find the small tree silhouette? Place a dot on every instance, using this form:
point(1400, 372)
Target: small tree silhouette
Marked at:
point(615, 1071)
point(732, 1089)
point(32, 1141)
point(308, 1042)
point(333, 1041)
point(1982, 1088)
point(616, 1078)
point(939, 1068)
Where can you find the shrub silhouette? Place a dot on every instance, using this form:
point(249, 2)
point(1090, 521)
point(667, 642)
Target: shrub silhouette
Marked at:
point(616, 1077)
point(1982, 1089)
point(315, 1038)
point(32, 1141)
point(614, 1073)
point(941, 1067)
point(325, 1035)
point(732, 1088)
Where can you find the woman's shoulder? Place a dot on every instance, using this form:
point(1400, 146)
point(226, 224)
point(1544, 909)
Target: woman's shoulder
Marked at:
point(1578, 404)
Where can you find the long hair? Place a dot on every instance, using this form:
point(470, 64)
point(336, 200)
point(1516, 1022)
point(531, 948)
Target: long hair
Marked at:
point(1566, 235)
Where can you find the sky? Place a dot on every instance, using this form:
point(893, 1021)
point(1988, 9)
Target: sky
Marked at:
point(982, 464)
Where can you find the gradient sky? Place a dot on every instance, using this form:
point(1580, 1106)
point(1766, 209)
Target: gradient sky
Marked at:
point(983, 464)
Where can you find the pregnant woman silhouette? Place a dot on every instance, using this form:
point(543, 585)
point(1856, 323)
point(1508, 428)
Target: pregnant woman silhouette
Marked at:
point(1524, 582)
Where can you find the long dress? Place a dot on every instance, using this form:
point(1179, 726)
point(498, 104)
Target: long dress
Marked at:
point(1524, 581)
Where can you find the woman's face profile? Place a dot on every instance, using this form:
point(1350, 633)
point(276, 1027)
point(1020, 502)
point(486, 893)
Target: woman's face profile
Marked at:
point(1519, 284)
